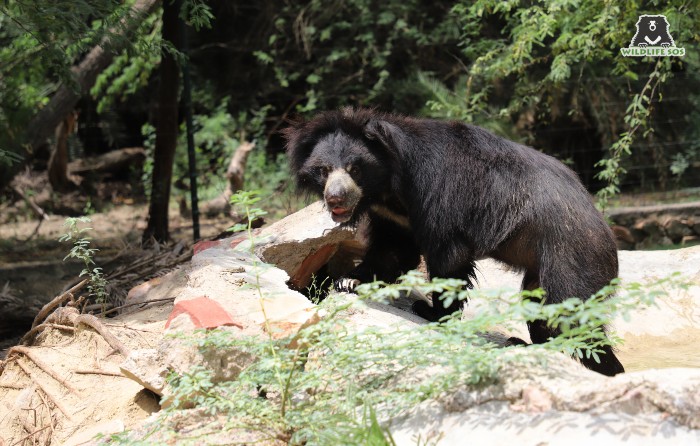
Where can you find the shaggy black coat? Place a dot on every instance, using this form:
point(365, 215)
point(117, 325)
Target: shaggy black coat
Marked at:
point(456, 193)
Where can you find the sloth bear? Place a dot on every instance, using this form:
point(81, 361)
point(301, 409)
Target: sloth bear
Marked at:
point(652, 30)
point(455, 193)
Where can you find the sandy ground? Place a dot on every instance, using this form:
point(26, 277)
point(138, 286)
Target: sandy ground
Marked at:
point(53, 384)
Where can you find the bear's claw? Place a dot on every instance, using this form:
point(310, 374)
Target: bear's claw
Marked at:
point(346, 285)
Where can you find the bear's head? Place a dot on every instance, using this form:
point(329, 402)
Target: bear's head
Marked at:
point(652, 30)
point(345, 156)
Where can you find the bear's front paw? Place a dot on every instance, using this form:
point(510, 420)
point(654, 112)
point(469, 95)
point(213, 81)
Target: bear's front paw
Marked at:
point(346, 285)
point(515, 341)
point(424, 310)
point(642, 45)
point(666, 45)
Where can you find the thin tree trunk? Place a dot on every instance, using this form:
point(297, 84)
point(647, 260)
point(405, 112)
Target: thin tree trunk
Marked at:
point(66, 97)
point(166, 130)
point(58, 162)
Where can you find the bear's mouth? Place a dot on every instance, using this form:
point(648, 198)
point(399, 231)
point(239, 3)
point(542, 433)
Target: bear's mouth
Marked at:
point(341, 214)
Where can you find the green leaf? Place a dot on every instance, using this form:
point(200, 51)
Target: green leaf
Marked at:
point(313, 79)
point(263, 57)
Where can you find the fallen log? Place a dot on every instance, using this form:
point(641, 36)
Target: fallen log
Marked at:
point(64, 100)
point(235, 175)
point(110, 162)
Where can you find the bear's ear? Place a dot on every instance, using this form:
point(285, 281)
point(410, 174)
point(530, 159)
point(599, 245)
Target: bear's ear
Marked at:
point(385, 133)
point(299, 144)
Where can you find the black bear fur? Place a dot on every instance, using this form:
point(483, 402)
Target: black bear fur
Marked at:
point(455, 193)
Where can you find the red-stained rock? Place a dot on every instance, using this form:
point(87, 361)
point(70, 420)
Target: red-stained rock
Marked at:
point(312, 263)
point(203, 312)
point(204, 245)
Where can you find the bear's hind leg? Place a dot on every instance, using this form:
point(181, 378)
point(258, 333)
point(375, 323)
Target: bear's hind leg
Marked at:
point(609, 364)
point(539, 331)
point(531, 282)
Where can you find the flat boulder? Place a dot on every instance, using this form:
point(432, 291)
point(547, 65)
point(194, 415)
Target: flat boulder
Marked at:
point(562, 403)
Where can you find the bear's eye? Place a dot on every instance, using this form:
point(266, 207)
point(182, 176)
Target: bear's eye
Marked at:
point(324, 170)
point(354, 170)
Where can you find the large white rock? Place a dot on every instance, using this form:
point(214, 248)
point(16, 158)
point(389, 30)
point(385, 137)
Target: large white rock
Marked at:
point(653, 404)
point(664, 335)
point(229, 285)
point(562, 404)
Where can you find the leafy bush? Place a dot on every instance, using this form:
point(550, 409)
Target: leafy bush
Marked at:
point(337, 382)
point(130, 71)
point(217, 136)
point(82, 251)
point(357, 51)
point(546, 64)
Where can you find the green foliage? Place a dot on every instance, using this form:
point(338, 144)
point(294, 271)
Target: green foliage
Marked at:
point(246, 200)
point(637, 118)
point(513, 67)
point(197, 14)
point(131, 70)
point(543, 45)
point(52, 34)
point(681, 162)
point(317, 291)
point(351, 51)
point(149, 144)
point(337, 384)
point(9, 158)
point(82, 251)
point(39, 42)
point(689, 154)
point(217, 135)
point(530, 65)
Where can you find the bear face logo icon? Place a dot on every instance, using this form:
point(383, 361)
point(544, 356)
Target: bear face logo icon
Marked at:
point(652, 30)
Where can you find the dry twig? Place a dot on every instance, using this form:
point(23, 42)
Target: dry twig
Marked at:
point(52, 419)
point(55, 400)
point(34, 331)
point(43, 366)
point(56, 302)
point(31, 434)
point(95, 324)
point(145, 304)
point(99, 372)
point(37, 210)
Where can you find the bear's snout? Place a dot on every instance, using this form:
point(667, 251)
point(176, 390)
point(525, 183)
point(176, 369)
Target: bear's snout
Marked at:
point(341, 195)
